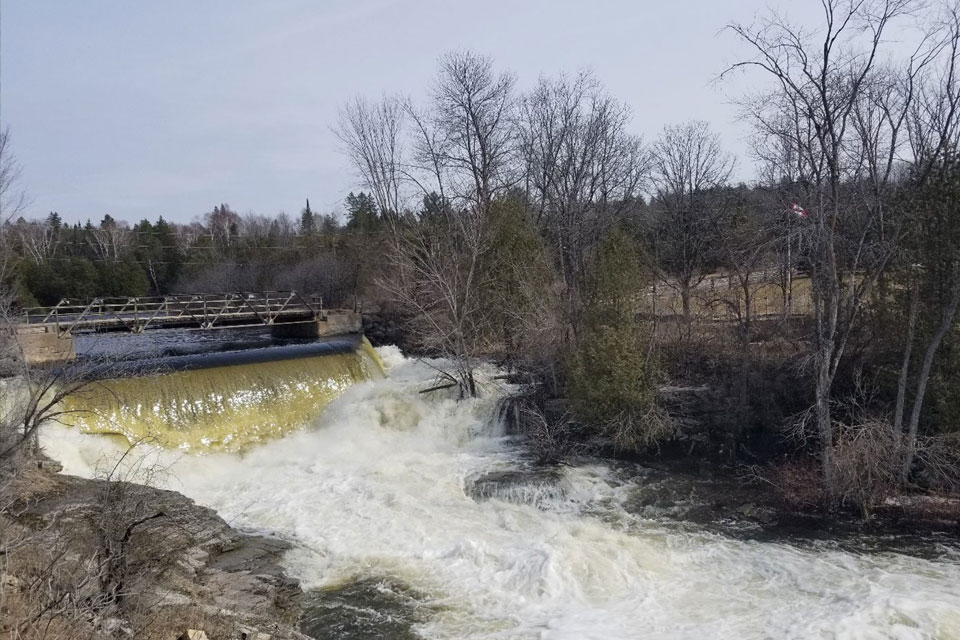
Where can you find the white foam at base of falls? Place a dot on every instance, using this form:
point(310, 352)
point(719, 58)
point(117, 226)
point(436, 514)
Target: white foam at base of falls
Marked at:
point(377, 488)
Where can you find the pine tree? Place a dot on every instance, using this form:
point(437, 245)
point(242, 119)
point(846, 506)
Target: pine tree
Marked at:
point(308, 221)
point(361, 212)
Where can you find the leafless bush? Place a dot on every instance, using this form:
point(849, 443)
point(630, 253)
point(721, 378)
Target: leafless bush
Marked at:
point(550, 441)
point(49, 591)
point(36, 396)
point(801, 428)
point(631, 432)
point(866, 466)
point(938, 459)
point(867, 450)
point(866, 463)
point(796, 482)
point(123, 505)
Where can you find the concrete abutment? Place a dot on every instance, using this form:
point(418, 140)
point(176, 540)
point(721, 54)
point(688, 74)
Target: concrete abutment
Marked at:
point(334, 323)
point(44, 345)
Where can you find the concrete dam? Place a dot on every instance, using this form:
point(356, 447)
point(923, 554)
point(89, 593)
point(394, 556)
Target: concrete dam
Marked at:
point(224, 401)
point(221, 401)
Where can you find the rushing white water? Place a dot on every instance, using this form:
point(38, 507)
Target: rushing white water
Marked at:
point(378, 489)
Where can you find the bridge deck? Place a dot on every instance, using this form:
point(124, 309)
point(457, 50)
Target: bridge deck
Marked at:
point(199, 311)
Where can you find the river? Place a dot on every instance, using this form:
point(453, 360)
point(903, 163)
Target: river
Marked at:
point(395, 539)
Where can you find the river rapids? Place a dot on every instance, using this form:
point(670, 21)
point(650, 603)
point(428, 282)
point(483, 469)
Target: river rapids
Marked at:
point(401, 530)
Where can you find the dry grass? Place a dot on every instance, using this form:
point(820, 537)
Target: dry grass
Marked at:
point(718, 294)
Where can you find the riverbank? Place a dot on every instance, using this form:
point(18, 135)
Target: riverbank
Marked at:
point(739, 502)
point(771, 484)
point(97, 559)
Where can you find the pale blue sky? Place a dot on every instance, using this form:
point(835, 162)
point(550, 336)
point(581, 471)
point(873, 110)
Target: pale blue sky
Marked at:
point(172, 106)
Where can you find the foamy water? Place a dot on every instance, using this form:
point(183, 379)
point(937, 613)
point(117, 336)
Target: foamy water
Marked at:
point(378, 488)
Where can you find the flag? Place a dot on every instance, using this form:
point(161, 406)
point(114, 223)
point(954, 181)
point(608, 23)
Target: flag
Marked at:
point(798, 210)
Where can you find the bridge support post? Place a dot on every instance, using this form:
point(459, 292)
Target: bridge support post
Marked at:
point(335, 323)
point(43, 345)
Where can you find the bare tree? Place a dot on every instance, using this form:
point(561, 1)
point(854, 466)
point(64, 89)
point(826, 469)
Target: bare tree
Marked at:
point(473, 137)
point(110, 240)
point(39, 241)
point(824, 81)
point(13, 199)
point(933, 120)
point(582, 170)
point(688, 163)
point(464, 143)
point(442, 256)
point(933, 124)
point(372, 134)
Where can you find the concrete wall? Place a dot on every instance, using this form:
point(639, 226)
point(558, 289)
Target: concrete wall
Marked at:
point(341, 323)
point(336, 323)
point(41, 346)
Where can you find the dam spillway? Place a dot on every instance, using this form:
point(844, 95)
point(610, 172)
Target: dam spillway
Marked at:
point(222, 401)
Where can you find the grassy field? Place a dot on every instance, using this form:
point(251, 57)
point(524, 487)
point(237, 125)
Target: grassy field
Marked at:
point(717, 297)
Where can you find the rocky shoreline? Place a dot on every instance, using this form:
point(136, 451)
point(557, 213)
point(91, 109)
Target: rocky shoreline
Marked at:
point(183, 571)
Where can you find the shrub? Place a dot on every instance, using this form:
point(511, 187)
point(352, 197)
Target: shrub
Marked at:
point(611, 373)
point(797, 483)
point(867, 459)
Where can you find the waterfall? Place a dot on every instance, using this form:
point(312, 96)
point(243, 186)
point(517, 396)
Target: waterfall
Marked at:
point(414, 515)
point(224, 402)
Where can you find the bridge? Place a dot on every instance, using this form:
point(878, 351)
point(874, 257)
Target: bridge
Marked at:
point(46, 333)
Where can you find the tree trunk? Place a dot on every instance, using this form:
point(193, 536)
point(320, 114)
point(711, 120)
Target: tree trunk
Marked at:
point(946, 321)
point(788, 282)
point(743, 405)
point(824, 422)
point(907, 353)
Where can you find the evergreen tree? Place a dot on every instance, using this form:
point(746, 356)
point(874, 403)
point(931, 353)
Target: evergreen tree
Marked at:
point(329, 223)
point(519, 292)
point(433, 206)
point(361, 212)
point(125, 278)
point(610, 379)
point(54, 220)
point(307, 220)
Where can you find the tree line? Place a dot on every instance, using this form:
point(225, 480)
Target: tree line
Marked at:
point(45, 261)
